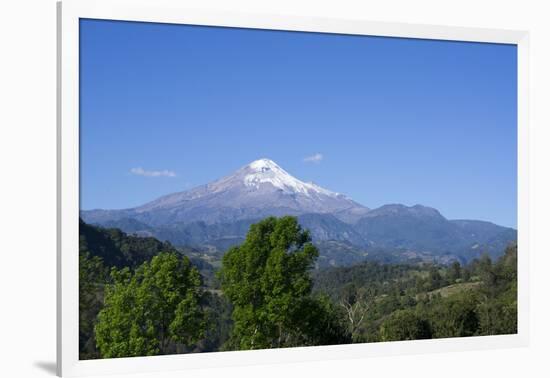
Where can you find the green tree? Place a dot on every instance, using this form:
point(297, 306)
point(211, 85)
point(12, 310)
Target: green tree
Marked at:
point(435, 281)
point(319, 321)
point(267, 281)
point(498, 316)
point(92, 276)
point(455, 316)
point(149, 311)
point(497, 311)
point(404, 325)
point(454, 272)
point(484, 270)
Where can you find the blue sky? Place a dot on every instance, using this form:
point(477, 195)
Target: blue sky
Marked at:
point(168, 107)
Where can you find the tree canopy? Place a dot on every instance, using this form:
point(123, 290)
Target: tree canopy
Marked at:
point(267, 281)
point(147, 312)
point(404, 325)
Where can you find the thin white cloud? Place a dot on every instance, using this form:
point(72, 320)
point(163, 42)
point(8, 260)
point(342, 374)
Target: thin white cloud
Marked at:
point(142, 172)
point(316, 158)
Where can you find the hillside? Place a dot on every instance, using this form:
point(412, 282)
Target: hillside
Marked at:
point(368, 301)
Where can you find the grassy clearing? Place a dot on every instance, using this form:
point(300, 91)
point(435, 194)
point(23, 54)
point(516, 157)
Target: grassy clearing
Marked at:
point(454, 289)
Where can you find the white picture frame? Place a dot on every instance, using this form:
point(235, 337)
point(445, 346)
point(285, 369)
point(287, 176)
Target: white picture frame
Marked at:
point(170, 11)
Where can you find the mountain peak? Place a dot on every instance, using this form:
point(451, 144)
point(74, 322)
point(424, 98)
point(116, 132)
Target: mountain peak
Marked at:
point(266, 171)
point(262, 165)
point(260, 188)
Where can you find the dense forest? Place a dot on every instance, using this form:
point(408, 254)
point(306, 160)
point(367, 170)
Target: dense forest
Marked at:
point(140, 296)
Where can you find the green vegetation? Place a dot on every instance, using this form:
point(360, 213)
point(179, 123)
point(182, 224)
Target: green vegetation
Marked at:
point(404, 302)
point(404, 325)
point(112, 269)
point(151, 310)
point(118, 249)
point(267, 280)
point(140, 296)
point(92, 275)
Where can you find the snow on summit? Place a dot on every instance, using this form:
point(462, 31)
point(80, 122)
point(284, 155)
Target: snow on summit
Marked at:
point(266, 171)
point(258, 189)
point(262, 165)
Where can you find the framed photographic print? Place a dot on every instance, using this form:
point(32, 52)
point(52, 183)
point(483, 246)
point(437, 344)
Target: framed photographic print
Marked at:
point(249, 187)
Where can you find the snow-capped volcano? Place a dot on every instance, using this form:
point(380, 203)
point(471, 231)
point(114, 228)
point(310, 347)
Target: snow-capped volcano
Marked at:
point(220, 213)
point(259, 189)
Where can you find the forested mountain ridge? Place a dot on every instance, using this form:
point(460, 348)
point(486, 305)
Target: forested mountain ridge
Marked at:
point(118, 249)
